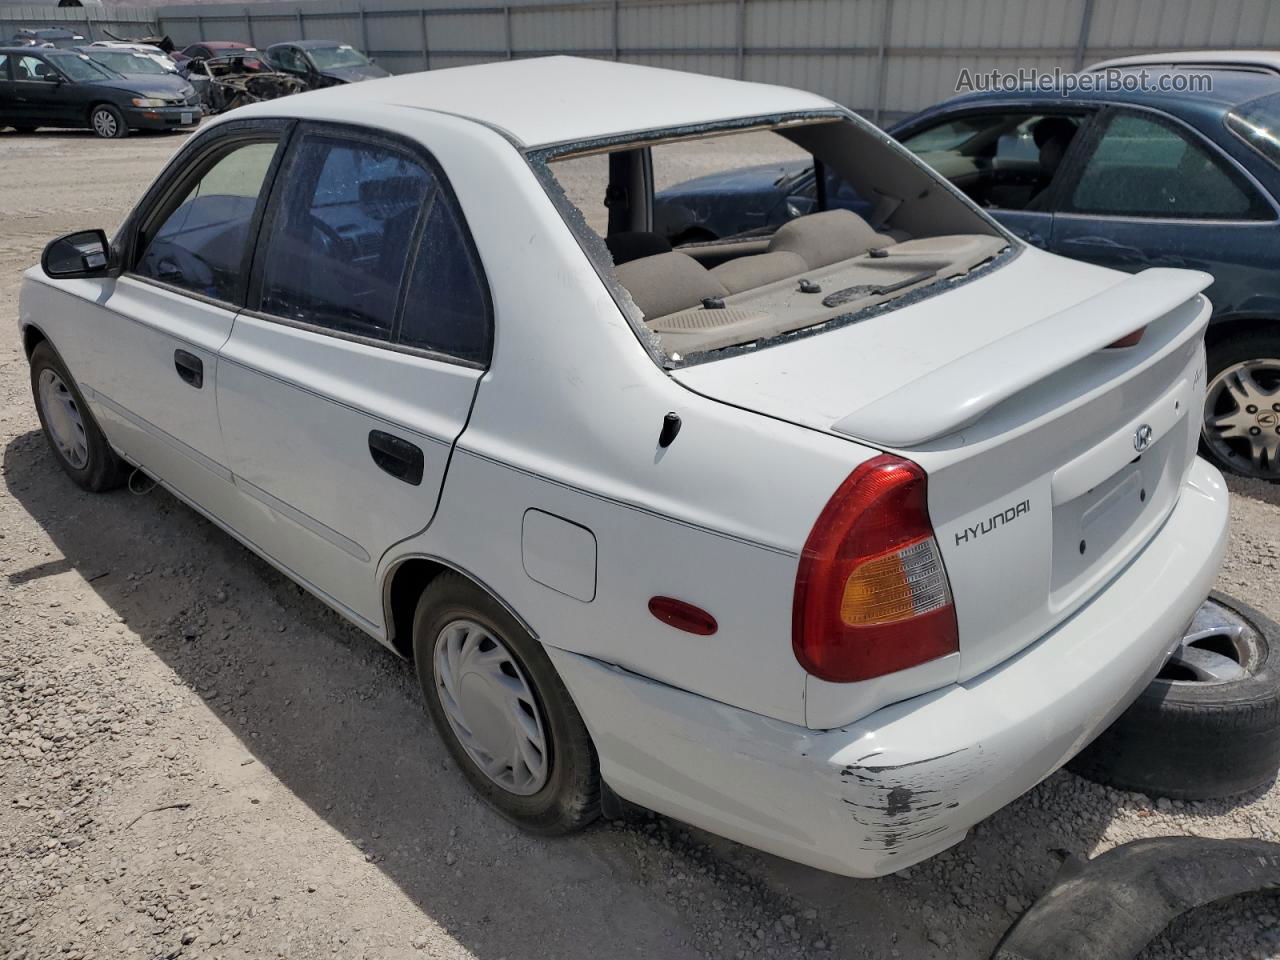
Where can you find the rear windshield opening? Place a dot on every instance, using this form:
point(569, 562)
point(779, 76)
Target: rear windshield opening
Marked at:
point(732, 238)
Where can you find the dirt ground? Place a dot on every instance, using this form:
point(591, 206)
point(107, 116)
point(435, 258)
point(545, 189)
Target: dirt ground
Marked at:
point(199, 760)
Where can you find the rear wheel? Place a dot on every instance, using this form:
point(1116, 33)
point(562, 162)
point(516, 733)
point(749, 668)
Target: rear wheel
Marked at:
point(1208, 726)
point(108, 122)
point(1241, 430)
point(77, 443)
point(502, 709)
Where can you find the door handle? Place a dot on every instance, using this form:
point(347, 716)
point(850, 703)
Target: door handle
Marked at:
point(400, 458)
point(190, 368)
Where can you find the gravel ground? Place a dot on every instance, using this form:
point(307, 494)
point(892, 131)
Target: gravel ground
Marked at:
point(199, 760)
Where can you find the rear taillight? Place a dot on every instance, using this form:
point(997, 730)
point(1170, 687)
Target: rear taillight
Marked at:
point(872, 595)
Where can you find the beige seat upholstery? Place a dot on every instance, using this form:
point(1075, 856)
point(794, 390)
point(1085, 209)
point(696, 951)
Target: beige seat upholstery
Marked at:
point(747, 272)
point(668, 282)
point(824, 238)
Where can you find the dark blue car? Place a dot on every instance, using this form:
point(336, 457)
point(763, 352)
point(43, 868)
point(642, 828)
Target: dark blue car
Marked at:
point(1124, 179)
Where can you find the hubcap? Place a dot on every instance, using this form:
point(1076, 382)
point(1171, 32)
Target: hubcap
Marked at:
point(1242, 417)
point(491, 707)
point(1215, 648)
point(104, 123)
point(62, 419)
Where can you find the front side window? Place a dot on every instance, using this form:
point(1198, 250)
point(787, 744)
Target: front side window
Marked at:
point(1144, 167)
point(32, 68)
point(290, 59)
point(1003, 161)
point(338, 244)
point(200, 243)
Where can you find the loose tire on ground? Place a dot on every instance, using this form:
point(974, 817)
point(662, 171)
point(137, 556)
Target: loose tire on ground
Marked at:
point(73, 435)
point(1191, 738)
point(503, 657)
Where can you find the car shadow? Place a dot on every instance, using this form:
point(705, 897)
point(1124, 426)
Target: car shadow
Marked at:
point(337, 719)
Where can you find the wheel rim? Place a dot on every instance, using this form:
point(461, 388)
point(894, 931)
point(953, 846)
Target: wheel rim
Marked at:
point(1242, 417)
point(491, 707)
point(1217, 648)
point(104, 123)
point(62, 419)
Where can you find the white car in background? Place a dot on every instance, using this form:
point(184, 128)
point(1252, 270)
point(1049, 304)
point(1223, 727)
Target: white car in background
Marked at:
point(1258, 61)
point(832, 539)
point(147, 50)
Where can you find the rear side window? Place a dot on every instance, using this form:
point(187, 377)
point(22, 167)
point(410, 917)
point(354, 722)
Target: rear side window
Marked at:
point(198, 241)
point(338, 245)
point(446, 309)
point(1143, 167)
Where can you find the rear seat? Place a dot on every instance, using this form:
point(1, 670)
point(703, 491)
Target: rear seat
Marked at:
point(668, 282)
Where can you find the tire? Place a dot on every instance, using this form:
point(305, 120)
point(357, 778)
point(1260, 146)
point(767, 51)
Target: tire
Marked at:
point(1241, 427)
point(108, 122)
point(1188, 739)
point(69, 428)
point(24, 130)
point(564, 794)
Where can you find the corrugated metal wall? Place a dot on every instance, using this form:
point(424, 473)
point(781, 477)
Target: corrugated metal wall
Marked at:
point(87, 21)
point(884, 58)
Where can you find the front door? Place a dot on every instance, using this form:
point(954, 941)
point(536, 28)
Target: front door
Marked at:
point(345, 384)
point(1152, 193)
point(38, 94)
point(157, 331)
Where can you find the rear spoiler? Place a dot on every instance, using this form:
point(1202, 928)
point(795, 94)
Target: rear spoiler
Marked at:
point(962, 391)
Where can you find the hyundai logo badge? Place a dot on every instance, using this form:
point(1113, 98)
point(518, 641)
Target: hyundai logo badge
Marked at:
point(1142, 437)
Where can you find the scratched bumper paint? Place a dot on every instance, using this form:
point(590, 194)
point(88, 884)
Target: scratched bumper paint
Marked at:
point(907, 781)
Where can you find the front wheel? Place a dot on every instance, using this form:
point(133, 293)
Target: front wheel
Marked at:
point(77, 443)
point(502, 709)
point(108, 122)
point(1241, 430)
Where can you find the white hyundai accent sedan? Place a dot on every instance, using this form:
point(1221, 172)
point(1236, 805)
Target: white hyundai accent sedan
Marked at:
point(832, 536)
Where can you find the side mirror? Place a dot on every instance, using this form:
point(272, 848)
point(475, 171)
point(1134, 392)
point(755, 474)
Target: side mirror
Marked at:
point(51, 78)
point(83, 254)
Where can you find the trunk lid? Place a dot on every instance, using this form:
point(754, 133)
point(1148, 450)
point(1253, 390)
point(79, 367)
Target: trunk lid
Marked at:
point(1051, 459)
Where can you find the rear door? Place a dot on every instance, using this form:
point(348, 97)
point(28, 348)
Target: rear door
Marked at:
point(1152, 192)
point(347, 380)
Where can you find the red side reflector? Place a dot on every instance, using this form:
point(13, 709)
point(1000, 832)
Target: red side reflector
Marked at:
point(683, 616)
point(1128, 340)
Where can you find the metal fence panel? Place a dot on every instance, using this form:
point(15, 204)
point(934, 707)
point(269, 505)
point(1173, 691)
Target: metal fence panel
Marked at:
point(882, 57)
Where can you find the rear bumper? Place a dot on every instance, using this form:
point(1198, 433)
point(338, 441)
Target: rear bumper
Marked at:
point(909, 780)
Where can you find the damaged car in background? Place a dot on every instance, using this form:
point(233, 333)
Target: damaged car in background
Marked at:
point(894, 515)
point(323, 63)
point(227, 82)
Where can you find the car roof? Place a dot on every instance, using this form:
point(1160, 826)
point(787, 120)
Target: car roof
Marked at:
point(223, 45)
point(555, 100)
point(311, 44)
point(1230, 88)
point(1258, 59)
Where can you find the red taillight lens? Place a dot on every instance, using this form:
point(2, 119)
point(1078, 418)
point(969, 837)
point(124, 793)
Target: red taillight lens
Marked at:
point(872, 595)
